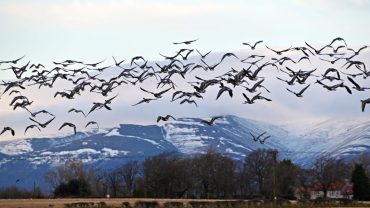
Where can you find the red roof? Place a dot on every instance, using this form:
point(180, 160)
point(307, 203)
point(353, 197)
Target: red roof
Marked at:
point(343, 186)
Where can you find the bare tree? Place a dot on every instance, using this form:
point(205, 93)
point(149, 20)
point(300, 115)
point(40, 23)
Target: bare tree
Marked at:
point(327, 171)
point(129, 172)
point(113, 181)
point(259, 165)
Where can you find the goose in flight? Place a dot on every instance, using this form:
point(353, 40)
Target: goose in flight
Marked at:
point(42, 125)
point(14, 61)
point(262, 141)
point(144, 100)
point(279, 52)
point(357, 86)
point(8, 129)
point(117, 63)
point(165, 118)
point(77, 111)
point(68, 124)
point(186, 42)
point(158, 94)
point(31, 127)
point(300, 93)
point(251, 101)
point(363, 104)
point(338, 39)
point(92, 123)
point(254, 45)
point(189, 101)
point(256, 138)
point(203, 55)
point(358, 51)
point(224, 89)
point(212, 121)
point(37, 66)
point(38, 112)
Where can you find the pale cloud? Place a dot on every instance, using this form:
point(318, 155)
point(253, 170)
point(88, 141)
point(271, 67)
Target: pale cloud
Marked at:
point(117, 13)
point(332, 5)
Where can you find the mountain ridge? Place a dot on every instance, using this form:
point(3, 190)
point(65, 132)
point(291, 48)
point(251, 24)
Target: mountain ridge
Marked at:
point(111, 147)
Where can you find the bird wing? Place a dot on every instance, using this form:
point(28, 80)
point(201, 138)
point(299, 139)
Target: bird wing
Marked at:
point(220, 93)
point(353, 82)
point(146, 90)
point(214, 118)
point(291, 91)
point(271, 49)
point(159, 118)
point(164, 91)
point(246, 97)
point(304, 89)
point(363, 105)
point(34, 120)
point(143, 100)
point(63, 125)
point(48, 122)
point(347, 88)
point(2, 131)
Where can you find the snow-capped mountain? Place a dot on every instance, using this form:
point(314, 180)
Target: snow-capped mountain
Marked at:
point(28, 159)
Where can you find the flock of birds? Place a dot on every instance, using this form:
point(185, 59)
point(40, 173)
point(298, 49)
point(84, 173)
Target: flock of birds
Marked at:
point(90, 77)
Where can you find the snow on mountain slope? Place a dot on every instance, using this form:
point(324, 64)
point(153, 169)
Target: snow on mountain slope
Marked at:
point(109, 148)
point(230, 135)
point(344, 139)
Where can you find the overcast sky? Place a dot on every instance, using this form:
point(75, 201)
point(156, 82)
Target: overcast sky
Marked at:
point(94, 30)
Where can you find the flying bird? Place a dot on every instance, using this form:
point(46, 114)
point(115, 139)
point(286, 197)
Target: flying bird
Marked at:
point(279, 52)
point(165, 118)
point(363, 104)
point(256, 138)
point(254, 45)
point(92, 123)
point(212, 121)
point(158, 94)
point(43, 125)
point(30, 127)
point(144, 100)
point(189, 101)
point(203, 55)
point(262, 141)
point(77, 111)
point(8, 129)
point(186, 42)
point(299, 94)
point(70, 125)
point(357, 86)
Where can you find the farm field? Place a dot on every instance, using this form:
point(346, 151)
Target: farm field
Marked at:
point(59, 203)
point(117, 202)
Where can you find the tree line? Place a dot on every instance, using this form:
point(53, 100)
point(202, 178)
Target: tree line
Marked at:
point(211, 175)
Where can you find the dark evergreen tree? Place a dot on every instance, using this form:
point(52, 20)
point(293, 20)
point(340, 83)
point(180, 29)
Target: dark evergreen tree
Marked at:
point(361, 184)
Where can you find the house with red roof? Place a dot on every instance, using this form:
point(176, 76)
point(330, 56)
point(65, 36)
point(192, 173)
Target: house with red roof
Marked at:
point(339, 190)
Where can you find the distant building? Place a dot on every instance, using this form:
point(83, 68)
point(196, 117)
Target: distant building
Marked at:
point(338, 190)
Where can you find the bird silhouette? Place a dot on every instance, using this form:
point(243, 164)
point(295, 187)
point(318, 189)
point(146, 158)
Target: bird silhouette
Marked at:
point(300, 93)
point(30, 127)
point(212, 121)
point(68, 124)
point(5, 129)
point(254, 45)
point(92, 123)
point(43, 125)
point(77, 111)
point(165, 118)
point(185, 42)
point(363, 104)
point(279, 52)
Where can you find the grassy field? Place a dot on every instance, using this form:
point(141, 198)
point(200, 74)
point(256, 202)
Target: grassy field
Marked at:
point(61, 203)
